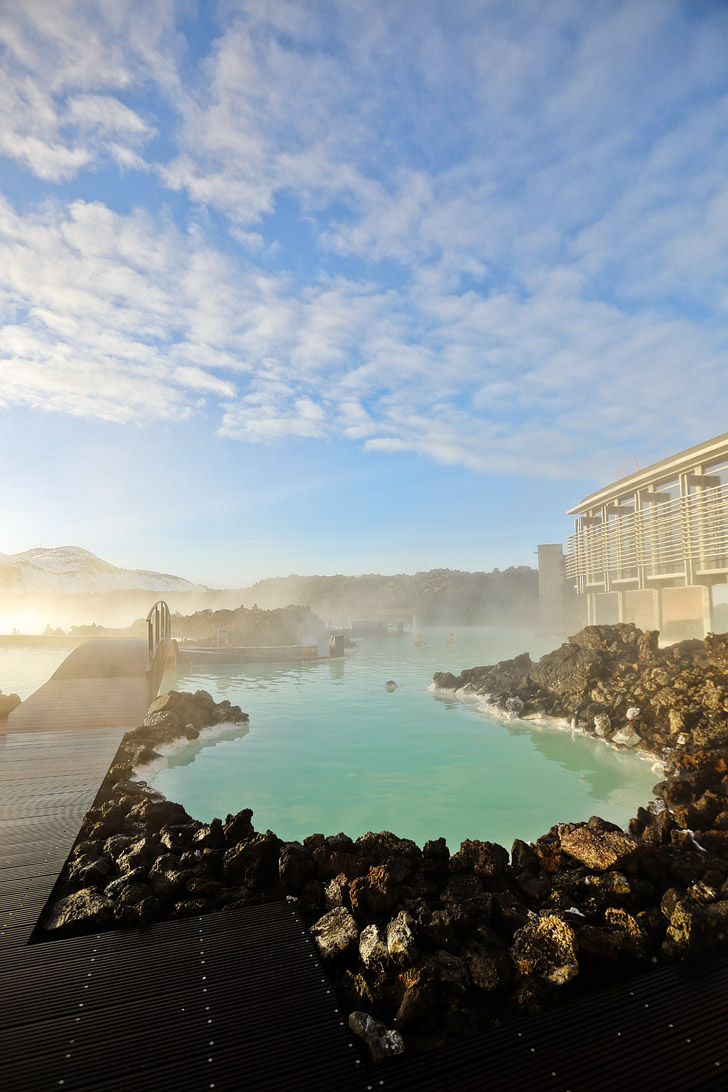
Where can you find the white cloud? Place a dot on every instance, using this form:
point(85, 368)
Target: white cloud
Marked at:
point(108, 316)
point(516, 218)
point(267, 417)
point(124, 318)
point(67, 65)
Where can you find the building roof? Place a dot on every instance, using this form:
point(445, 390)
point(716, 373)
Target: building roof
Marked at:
point(708, 451)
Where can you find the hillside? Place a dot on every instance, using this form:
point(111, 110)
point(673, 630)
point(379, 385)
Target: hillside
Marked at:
point(439, 596)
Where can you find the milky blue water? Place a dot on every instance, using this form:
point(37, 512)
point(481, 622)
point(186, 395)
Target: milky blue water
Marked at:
point(23, 668)
point(329, 749)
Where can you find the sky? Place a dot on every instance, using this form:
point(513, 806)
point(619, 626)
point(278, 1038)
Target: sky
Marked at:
point(352, 286)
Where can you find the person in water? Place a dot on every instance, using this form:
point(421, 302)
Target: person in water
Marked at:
point(450, 639)
point(419, 640)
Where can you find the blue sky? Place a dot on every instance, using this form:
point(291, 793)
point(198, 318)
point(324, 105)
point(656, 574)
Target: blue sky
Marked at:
point(352, 286)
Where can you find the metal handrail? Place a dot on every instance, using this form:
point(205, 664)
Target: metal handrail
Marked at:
point(159, 627)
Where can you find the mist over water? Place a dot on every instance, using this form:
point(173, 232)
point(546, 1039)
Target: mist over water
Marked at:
point(23, 668)
point(329, 749)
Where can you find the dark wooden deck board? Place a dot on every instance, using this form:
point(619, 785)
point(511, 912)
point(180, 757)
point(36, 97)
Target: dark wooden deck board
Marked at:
point(243, 988)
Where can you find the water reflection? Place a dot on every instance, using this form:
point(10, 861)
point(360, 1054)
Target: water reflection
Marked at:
point(187, 754)
point(602, 772)
point(599, 766)
point(336, 669)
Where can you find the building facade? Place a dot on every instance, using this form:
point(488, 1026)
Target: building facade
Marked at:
point(652, 547)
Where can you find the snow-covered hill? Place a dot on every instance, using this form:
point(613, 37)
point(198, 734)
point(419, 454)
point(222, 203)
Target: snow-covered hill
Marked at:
point(70, 570)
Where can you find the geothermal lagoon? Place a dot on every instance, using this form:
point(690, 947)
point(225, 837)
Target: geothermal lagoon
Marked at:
point(329, 749)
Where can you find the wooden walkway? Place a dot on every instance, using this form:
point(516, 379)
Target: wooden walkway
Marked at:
point(227, 1001)
point(230, 1000)
point(101, 684)
point(661, 1032)
point(48, 781)
point(239, 1000)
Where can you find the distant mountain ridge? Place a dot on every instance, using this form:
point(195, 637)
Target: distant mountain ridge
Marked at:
point(73, 585)
point(439, 596)
point(70, 570)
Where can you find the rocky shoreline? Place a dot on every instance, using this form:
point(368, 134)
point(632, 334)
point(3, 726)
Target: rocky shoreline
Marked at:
point(424, 945)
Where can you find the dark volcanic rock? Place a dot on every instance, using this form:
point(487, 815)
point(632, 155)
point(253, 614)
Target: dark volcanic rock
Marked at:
point(401, 940)
point(8, 702)
point(335, 862)
point(445, 680)
point(600, 851)
point(238, 827)
point(81, 912)
point(295, 866)
point(487, 859)
point(376, 893)
point(382, 1043)
point(546, 947)
point(253, 862)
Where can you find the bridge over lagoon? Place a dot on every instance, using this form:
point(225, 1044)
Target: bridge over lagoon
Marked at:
point(238, 999)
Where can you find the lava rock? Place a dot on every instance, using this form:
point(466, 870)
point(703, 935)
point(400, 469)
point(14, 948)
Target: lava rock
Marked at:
point(373, 951)
point(381, 1042)
point(599, 851)
point(400, 940)
point(336, 933)
point(547, 948)
point(238, 827)
point(295, 866)
point(81, 912)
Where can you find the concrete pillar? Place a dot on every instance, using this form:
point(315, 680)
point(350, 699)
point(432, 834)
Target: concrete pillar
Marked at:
point(551, 585)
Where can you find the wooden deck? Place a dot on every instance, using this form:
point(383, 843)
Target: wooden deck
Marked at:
point(230, 1000)
point(48, 780)
point(227, 1001)
point(101, 684)
point(239, 1000)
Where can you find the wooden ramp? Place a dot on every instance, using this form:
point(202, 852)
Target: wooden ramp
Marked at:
point(48, 781)
point(226, 1001)
point(102, 684)
point(229, 1001)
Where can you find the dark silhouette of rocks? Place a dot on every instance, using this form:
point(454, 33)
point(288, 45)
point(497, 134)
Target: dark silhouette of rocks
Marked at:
point(8, 702)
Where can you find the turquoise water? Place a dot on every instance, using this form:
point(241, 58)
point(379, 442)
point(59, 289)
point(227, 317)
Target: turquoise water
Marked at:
point(329, 749)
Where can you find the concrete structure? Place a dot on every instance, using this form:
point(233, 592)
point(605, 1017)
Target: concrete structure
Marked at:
point(551, 585)
point(652, 547)
point(363, 621)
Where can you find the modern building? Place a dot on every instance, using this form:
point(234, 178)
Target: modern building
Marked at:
point(652, 547)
